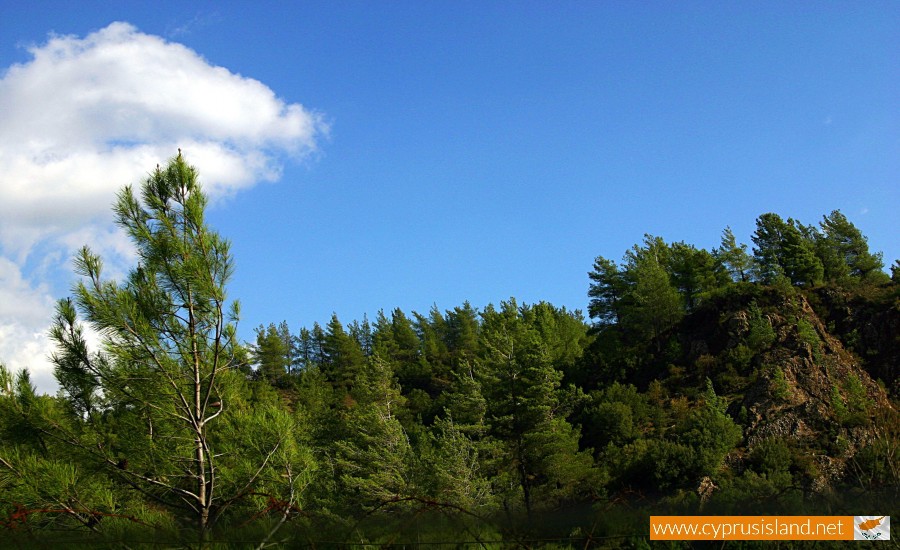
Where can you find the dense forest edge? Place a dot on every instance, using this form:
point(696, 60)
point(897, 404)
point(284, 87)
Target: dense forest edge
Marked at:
point(754, 379)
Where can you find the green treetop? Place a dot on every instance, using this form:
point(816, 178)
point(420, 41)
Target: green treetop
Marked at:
point(153, 401)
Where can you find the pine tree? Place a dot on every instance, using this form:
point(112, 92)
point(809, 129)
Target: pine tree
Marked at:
point(798, 255)
point(362, 333)
point(373, 455)
point(303, 348)
point(607, 289)
point(345, 359)
point(846, 250)
point(152, 404)
point(694, 272)
point(462, 338)
point(655, 304)
point(767, 251)
point(454, 475)
point(786, 248)
point(273, 352)
point(734, 257)
point(536, 450)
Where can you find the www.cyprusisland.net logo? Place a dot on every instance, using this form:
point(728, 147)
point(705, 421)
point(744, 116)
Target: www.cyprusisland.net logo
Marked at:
point(872, 527)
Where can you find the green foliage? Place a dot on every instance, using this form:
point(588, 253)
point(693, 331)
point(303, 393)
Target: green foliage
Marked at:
point(730, 381)
point(734, 257)
point(845, 251)
point(513, 422)
point(798, 256)
point(851, 403)
point(273, 352)
point(761, 334)
point(640, 295)
point(767, 251)
point(697, 446)
point(758, 493)
point(611, 422)
point(875, 467)
point(840, 408)
point(538, 453)
point(657, 465)
point(343, 358)
point(55, 494)
point(779, 385)
point(616, 415)
point(375, 466)
point(785, 248)
point(836, 252)
point(656, 304)
point(608, 287)
point(455, 476)
point(695, 272)
point(770, 456)
point(152, 408)
point(712, 401)
point(739, 358)
point(466, 404)
point(710, 433)
point(6, 381)
point(807, 334)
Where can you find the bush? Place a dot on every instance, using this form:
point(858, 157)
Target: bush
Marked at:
point(761, 334)
point(779, 386)
point(771, 456)
point(739, 357)
point(852, 406)
point(808, 335)
point(710, 434)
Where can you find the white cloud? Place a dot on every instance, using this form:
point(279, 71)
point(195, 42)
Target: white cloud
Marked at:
point(87, 115)
point(25, 312)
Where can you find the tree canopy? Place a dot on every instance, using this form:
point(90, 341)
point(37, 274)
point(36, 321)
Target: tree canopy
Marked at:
point(522, 423)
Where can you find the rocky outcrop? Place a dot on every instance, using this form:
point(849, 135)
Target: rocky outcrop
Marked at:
point(790, 377)
point(812, 392)
point(867, 323)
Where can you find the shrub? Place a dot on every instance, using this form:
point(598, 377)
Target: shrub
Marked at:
point(771, 456)
point(808, 335)
point(779, 386)
point(852, 406)
point(761, 334)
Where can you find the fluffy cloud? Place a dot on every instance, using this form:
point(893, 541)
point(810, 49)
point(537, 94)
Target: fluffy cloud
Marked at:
point(25, 311)
point(86, 115)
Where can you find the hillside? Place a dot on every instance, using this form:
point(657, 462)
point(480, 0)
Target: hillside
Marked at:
point(815, 428)
point(705, 382)
point(788, 379)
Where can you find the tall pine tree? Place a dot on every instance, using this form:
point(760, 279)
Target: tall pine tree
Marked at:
point(154, 405)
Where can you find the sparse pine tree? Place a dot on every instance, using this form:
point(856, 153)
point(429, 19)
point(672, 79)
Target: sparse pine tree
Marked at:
point(152, 405)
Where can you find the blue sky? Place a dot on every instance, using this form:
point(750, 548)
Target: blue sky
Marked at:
point(436, 152)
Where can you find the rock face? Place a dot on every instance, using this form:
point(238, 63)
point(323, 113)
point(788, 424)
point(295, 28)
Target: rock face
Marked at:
point(867, 324)
point(787, 377)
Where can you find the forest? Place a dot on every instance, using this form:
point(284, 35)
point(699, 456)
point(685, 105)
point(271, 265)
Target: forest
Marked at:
point(747, 379)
